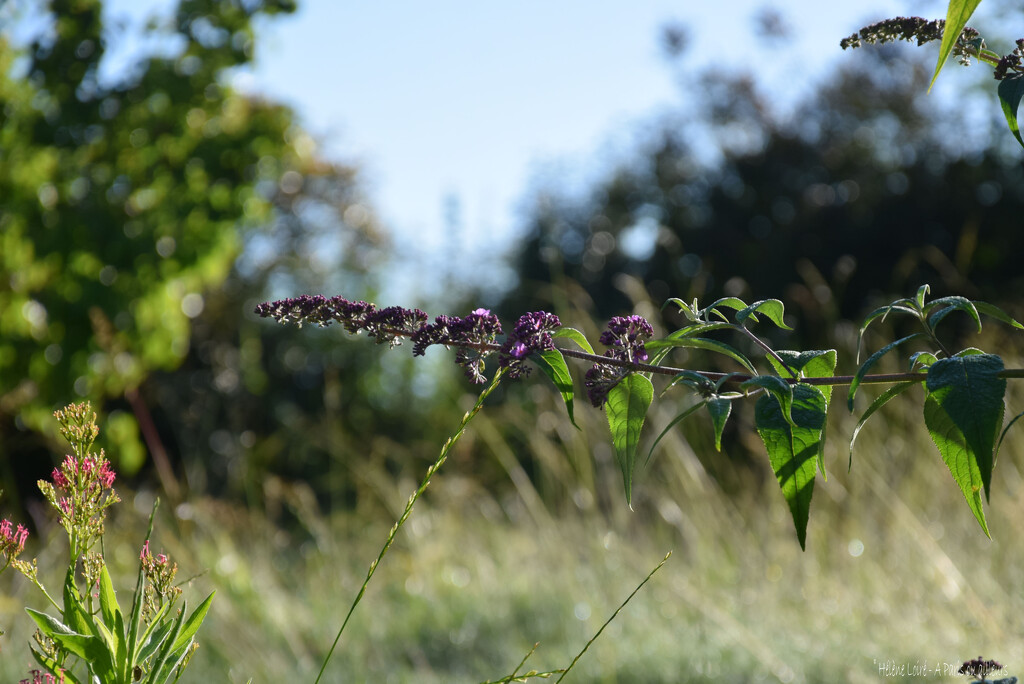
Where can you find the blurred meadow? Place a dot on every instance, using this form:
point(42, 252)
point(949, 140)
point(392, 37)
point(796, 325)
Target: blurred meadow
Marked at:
point(896, 569)
point(142, 218)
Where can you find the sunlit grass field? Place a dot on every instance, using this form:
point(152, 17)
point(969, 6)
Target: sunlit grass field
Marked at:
point(898, 582)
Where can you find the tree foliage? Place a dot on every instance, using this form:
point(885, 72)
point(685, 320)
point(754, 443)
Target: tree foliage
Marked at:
point(863, 189)
point(126, 199)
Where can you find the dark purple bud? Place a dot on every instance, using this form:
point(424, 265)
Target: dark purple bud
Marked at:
point(474, 335)
point(532, 333)
point(625, 336)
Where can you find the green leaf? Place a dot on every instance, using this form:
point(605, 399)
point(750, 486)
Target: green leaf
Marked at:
point(626, 407)
point(155, 634)
point(815, 363)
point(113, 621)
point(84, 646)
point(719, 409)
point(964, 412)
point(697, 383)
point(75, 615)
point(902, 305)
point(879, 402)
point(997, 313)
point(792, 447)
point(1011, 90)
point(733, 303)
point(921, 359)
point(699, 329)
point(691, 312)
point(552, 364)
point(703, 343)
point(776, 386)
point(922, 292)
point(1002, 435)
point(108, 599)
point(675, 421)
point(872, 360)
point(576, 336)
point(948, 305)
point(957, 14)
point(192, 625)
point(159, 674)
point(773, 309)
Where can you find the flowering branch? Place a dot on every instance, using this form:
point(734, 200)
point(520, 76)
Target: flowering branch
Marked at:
point(961, 389)
point(476, 335)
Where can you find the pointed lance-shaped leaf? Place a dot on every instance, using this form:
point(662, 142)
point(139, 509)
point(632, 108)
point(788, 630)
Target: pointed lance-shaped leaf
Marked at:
point(946, 306)
point(779, 388)
point(703, 343)
point(997, 313)
point(719, 409)
point(902, 305)
point(773, 309)
point(879, 402)
point(552, 364)
point(871, 361)
point(686, 413)
point(626, 407)
point(793, 446)
point(576, 336)
point(1011, 90)
point(957, 14)
point(815, 363)
point(969, 393)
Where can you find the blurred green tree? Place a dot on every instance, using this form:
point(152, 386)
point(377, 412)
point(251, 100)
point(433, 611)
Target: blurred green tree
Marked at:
point(865, 189)
point(126, 200)
point(860, 192)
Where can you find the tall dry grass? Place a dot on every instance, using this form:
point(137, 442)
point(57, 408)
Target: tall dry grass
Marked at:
point(897, 574)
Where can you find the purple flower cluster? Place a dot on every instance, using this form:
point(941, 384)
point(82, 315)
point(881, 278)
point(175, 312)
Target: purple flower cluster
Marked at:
point(979, 667)
point(531, 334)
point(473, 335)
point(385, 325)
point(915, 29)
point(625, 336)
point(1010, 62)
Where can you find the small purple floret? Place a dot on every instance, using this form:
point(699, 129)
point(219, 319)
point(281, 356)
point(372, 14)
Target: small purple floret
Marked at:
point(532, 333)
point(625, 336)
point(473, 334)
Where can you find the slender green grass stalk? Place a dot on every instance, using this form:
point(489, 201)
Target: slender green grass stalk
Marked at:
point(613, 616)
point(533, 674)
point(445, 450)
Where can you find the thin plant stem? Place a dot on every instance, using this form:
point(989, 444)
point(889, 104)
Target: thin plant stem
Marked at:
point(735, 378)
point(445, 450)
point(613, 616)
point(526, 676)
point(768, 350)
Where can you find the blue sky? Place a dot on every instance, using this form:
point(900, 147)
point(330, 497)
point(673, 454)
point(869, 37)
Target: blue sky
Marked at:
point(473, 100)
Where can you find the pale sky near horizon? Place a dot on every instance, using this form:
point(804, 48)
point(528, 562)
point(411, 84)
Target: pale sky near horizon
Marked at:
point(475, 100)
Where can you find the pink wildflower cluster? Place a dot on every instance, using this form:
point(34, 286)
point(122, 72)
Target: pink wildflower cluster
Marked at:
point(12, 541)
point(82, 472)
point(81, 490)
point(149, 561)
point(160, 573)
point(44, 678)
